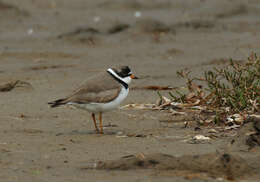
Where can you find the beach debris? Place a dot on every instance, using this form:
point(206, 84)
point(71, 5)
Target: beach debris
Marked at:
point(81, 32)
point(139, 106)
point(137, 135)
point(253, 139)
point(32, 131)
point(224, 165)
point(110, 125)
point(236, 118)
point(256, 121)
point(138, 14)
point(30, 31)
point(92, 34)
point(154, 87)
point(212, 131)
point(148, 25)
point(201, 137)
point(13, 84)
point(46, 67)
point(163, 101)
point(195, 24)
point(10, 9)
point(234, 126)
point(230, 98)
point(118, 28)
point(96, 19)
point(198, 139)
point(82, 35)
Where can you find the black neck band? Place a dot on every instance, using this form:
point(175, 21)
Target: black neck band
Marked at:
point(120, 81)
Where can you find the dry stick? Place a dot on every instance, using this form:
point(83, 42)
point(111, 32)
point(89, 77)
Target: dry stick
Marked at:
point(154, 87)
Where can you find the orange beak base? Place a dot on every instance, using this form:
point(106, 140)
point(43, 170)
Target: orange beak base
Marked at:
point(133, 77)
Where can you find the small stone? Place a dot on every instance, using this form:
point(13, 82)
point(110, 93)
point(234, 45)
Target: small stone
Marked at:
point(208, 121)
point(30, 31)
point(119, 133)
point(96, 19)
point(201, 137)
point(197, 128)
point(138, 14)
point(234, 126)
point(213, 131)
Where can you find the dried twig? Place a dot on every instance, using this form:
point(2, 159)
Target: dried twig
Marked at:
point(155, 87)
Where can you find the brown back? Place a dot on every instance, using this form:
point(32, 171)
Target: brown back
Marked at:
point(100, 88)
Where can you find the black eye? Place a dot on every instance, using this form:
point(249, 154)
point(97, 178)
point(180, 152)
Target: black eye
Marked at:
point(125, 71)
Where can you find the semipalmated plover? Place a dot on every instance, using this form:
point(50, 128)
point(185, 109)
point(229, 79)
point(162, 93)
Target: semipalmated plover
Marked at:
point(102, 93)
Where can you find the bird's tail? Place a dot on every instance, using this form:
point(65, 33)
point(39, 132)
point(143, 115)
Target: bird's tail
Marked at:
point(57, 103)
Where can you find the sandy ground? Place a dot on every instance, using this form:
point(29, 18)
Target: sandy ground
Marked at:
point(56, 44)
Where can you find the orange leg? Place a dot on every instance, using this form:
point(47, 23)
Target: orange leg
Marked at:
point(95, 123)
point(100, 123)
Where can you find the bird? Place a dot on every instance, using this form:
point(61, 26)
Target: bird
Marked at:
point(101, 93)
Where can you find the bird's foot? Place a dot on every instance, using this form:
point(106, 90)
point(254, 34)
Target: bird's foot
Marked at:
point(97, 131)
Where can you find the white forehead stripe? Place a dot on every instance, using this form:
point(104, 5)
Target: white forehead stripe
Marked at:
point(114, 73)
point(126, 80)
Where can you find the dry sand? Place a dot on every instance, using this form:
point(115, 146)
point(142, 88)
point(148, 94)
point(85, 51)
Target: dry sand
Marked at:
point(56, 44)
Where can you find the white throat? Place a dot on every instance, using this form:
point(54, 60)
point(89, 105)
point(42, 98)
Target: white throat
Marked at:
point(127, 80)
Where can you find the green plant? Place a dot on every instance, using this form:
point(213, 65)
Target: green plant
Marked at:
point(232, 89)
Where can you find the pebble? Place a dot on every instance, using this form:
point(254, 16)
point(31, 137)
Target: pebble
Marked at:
point(201, 137)
point(213, 131)
point(138, 14)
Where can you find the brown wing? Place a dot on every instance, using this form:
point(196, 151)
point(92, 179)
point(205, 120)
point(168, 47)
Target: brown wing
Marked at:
point(101, 88)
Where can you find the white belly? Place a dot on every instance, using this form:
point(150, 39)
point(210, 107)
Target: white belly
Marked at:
point(103, 107)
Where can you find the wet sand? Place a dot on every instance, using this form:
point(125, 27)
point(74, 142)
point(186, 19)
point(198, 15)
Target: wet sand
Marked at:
point(56, 44)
